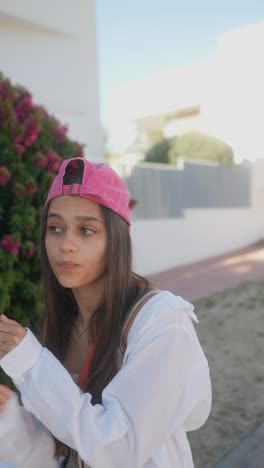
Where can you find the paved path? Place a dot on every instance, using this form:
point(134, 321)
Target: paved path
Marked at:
point(208, 277)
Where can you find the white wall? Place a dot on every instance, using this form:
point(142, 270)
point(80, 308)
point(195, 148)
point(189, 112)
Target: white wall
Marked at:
point(161, 244)
point(57, 15)
point(50, 48)
point(232, 106)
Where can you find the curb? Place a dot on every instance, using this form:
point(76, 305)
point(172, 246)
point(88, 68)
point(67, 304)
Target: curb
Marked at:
point(248, 454)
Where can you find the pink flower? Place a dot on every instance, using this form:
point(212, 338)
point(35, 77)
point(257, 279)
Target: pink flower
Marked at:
point(19, 137)
point(41, 111)
point(10, 245)
point(31, 187)
point(61, 133)
point(50, 177)
point(5, 175)
point(7, 91)
point(18, 143)
point(19, 189)
point(81, 153)
point(19, 148)
point(2, 89)
point(31, 133)
point(132, 203)
point(53, 161)
point(30, 253)
point(24, 107)
point(39, 160)
point(29, 249)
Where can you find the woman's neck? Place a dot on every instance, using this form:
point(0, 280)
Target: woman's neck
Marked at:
point(88, 300)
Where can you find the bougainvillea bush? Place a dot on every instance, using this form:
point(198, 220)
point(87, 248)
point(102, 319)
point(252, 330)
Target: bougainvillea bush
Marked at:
point(32, 146)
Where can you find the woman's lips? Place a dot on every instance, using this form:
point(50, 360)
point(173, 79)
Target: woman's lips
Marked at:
point(68, 265)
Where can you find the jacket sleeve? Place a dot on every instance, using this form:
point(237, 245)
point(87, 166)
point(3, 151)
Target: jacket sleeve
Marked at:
point(24, 442)
point(151, 396)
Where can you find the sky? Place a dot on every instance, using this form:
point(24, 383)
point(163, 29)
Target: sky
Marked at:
point(137, 38)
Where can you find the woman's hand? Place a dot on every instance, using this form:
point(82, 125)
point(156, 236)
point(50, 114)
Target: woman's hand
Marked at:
point(5, 395)
point(11, 334)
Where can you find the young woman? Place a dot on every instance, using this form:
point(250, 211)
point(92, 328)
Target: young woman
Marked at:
point(120, 377)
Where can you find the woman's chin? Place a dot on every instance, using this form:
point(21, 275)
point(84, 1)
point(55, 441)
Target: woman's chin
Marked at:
point(68, 282)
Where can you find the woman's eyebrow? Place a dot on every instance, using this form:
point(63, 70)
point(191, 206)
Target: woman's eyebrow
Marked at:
point(79, 218)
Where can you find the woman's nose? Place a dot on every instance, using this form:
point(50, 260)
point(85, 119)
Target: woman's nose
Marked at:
point(69, 242)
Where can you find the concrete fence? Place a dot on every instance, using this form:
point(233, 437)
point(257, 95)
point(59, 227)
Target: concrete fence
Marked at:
point(163, 191)
point(190, 224)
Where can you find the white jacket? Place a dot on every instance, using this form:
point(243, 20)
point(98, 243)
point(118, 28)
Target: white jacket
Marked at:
point(162, 391)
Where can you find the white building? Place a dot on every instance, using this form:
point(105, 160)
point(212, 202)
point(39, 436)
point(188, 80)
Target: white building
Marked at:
point(50, 48)
point(238, 96)
point(222, 96)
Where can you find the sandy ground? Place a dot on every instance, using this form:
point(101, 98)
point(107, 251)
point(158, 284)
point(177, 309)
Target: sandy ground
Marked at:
point(231, 331)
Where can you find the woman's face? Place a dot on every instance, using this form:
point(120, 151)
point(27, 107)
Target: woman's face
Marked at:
point(76, 241)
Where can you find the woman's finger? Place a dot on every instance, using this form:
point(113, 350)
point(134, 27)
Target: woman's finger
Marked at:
point(4, 390)
point(9, 338)
point(5, 395)
point(9, 326)
point(3, 405)
point(11, 334)
point(4, 399)
point(4, 318)
point(5, 347)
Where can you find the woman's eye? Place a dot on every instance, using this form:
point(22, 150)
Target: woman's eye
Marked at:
point(87, 231)
point(54, 228)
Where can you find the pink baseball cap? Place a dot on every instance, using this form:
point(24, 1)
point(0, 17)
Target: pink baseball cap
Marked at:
point(97, 182)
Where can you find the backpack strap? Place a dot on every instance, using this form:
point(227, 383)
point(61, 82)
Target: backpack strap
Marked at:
point(132, 315)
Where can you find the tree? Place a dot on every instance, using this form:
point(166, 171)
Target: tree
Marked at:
point(32, 146)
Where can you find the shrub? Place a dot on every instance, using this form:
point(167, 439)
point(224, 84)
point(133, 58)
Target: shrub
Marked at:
point(191, 145)
point(32, 146)
point(159, 152)
point(196, 145)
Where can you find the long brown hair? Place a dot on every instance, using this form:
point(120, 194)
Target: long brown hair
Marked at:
point(122, 289)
